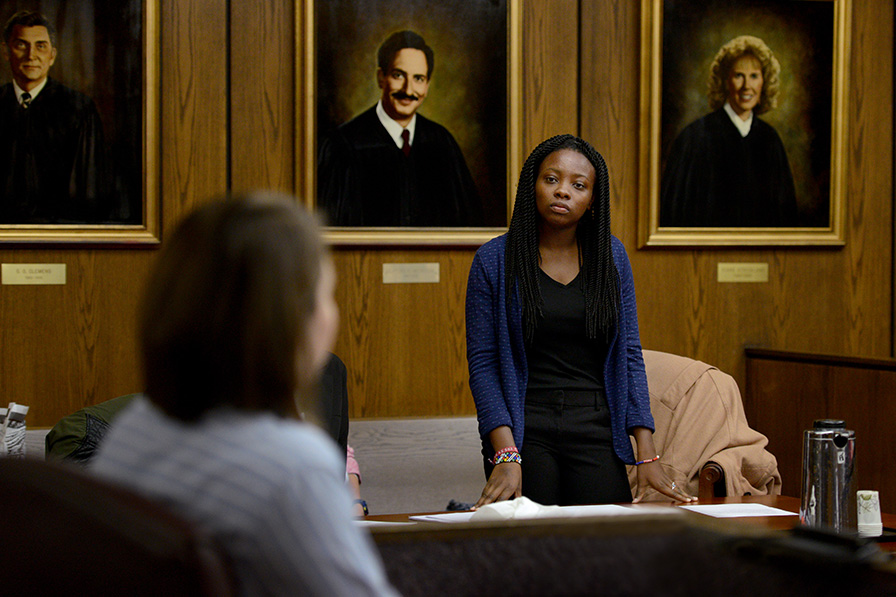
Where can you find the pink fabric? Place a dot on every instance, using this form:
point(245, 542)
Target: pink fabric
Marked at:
point(351, 465)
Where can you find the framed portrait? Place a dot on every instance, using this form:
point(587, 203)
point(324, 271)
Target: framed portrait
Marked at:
point(743, 122)
point(375, 71)
point(79, 159)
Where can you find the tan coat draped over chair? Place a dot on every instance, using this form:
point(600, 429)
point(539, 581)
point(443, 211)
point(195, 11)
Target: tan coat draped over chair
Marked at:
point(700, 419)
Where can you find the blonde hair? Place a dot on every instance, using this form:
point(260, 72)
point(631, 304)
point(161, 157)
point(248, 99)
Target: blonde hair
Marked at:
point(717, 90)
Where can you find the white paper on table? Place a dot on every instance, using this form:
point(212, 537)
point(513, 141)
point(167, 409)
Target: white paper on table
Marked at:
point(523, 508)
point(449, 517)
point(380, 523)
point(737, 510)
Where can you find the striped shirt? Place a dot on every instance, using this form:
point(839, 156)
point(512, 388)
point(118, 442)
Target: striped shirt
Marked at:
point(272, 491)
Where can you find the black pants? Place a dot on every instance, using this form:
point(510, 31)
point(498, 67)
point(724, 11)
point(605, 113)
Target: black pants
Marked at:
point(567, 451)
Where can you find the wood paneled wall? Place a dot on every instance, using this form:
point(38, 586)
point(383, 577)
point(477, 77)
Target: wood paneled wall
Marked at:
point(228, 122)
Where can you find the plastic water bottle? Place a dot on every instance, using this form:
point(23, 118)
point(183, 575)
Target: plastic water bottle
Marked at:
point(3, 413)
point(14, 440)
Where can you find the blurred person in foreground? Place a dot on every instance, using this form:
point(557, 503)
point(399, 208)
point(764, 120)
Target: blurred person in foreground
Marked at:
point(236, 324)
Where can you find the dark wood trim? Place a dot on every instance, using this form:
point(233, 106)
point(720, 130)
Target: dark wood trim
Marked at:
point(819, 359)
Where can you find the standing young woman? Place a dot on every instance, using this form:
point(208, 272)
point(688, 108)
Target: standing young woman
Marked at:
point(553, 346)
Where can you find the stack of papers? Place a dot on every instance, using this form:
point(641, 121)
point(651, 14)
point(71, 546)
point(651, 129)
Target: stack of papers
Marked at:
point(524, 508)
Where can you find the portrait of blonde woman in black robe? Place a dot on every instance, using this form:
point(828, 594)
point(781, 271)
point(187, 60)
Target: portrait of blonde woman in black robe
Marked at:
point(729, 168)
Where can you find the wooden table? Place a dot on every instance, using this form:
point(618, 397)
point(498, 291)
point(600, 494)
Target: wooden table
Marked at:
point(632, 555)
point(777, 523)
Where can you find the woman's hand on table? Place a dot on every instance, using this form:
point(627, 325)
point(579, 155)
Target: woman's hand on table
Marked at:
point(505, 483)
point(651, 475)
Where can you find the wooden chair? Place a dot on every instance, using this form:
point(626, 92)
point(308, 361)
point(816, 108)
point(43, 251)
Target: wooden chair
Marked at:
point(712, 481)
point(65, 532)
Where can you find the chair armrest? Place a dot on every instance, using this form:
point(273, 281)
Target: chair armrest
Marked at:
point(712, 481)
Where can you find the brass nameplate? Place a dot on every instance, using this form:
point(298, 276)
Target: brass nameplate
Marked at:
point(33, 273)
point(410, 273)
point(743, 272)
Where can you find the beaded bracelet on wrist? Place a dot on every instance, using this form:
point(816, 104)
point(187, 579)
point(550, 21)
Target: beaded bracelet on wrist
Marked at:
point(505, 450)
point(508, 457)
point(654, 459)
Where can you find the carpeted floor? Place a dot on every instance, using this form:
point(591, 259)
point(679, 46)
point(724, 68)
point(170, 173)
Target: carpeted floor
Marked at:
point(417, 465)
point(407, 465)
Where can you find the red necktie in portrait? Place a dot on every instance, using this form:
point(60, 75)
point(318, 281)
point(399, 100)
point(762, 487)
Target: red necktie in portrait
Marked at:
point(406, 147)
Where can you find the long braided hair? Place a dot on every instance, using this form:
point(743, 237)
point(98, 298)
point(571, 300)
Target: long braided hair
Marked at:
point(521, 258)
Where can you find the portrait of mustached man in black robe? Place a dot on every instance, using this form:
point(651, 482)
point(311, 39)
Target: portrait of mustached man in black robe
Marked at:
point(51, 137)
point(390, 166)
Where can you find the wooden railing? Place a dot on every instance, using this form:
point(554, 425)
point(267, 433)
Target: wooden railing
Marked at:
point(787, 391)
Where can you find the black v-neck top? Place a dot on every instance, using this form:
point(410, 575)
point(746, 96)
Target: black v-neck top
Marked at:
point(561, 357)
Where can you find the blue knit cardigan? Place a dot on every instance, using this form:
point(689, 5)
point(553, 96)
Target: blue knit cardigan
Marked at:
point(496, 353)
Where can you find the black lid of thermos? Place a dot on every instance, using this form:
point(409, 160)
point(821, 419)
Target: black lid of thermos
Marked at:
point(829, 424)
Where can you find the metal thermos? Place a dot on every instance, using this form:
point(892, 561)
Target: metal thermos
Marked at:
point(828, 497)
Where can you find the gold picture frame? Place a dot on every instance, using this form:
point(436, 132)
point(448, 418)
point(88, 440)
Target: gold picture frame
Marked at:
point(308, 136)
point(821, 214)
point(141, 223)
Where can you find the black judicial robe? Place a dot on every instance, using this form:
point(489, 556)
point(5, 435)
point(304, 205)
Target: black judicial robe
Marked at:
point(716, 178)
point(333, 387)
point(51, 158)
point(364, 179)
